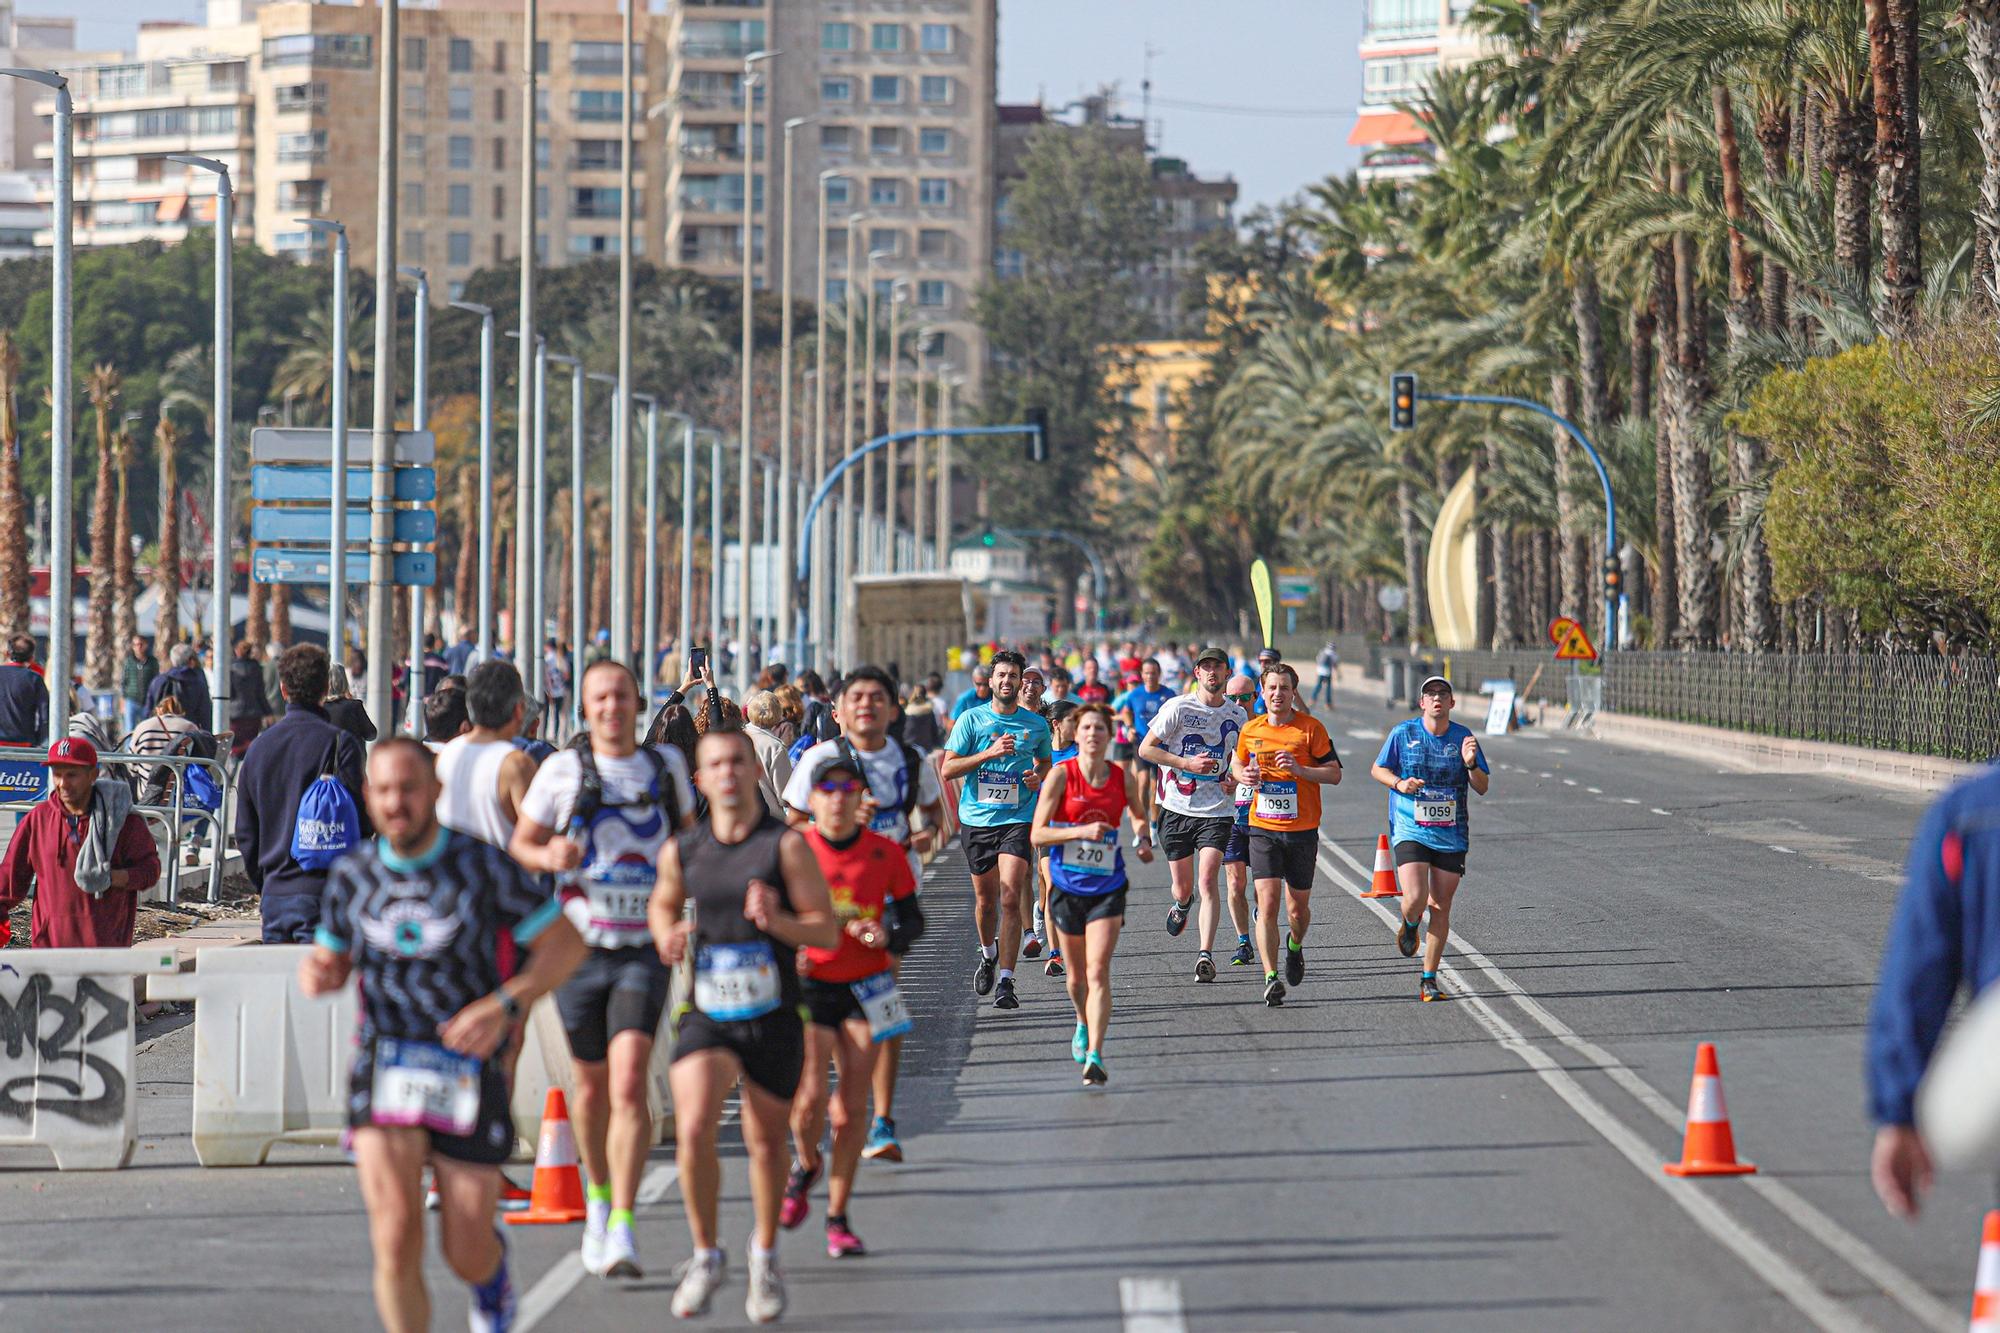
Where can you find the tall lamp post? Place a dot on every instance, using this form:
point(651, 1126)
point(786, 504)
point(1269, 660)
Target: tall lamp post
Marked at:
point(845, 586)
point(946, 382)
point(336, 583)
point(485, 313)
point(868, 547)
point(649, 618)
point(919, 496)
point(527, 388)
point(220, 577)
point(684, 624)
point(781, 619)
point(382, 439)
point(899, 296)
point(420, 389)
point(817, 603)
point(621, 396)
point(715, 485)
point(578, 608)
point(751, 78)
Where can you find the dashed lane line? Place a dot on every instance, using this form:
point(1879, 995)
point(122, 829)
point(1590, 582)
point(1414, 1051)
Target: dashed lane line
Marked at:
point(1151, 1305)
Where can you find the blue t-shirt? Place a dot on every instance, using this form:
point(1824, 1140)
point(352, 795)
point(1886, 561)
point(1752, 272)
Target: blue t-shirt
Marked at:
point(1436, 815)
point(997, 792)
point(965, 703)
point(1145, 705)
point(1067, 752)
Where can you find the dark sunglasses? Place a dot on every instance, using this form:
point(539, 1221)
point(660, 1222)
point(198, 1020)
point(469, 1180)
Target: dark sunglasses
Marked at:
point(840, 785)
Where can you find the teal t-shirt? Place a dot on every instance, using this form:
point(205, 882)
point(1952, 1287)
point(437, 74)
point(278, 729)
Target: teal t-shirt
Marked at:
point(998, 792)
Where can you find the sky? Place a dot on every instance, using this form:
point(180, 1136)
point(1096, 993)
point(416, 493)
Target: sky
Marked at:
point(1269, 60)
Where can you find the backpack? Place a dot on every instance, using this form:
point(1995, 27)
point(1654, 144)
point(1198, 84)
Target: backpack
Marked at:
point(328, 825)
point(590, 791)
point(912, 775)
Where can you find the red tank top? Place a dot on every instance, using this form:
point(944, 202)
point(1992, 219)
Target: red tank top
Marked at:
point(1082, 803)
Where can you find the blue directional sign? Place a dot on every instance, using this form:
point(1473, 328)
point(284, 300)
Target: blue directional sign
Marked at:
point(23, 779)
point(278, 564)
point(412, 484)
point(279, 526)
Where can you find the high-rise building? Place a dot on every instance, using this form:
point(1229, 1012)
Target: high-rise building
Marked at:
point(1403, 44)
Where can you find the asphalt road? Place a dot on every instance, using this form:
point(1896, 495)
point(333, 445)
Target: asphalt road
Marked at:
point(1353, 1160)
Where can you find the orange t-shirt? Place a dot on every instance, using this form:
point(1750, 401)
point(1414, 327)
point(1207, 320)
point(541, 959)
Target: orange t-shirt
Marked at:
point(1282, 803)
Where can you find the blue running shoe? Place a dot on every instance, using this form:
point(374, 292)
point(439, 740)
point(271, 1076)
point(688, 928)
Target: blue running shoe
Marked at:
point(882, 1144)
point(1093, 1070)
point(1079, 1045)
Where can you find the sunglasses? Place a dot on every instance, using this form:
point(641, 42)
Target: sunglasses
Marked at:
point(843, 786)
point(1240, 698)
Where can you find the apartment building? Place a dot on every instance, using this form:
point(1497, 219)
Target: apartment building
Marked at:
point(1403, 44)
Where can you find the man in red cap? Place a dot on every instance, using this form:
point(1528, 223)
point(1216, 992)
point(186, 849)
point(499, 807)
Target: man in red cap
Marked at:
point(42, 855)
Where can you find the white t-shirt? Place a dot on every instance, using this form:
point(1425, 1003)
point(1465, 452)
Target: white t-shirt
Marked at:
point(1172, 671)
point(606, 896)
point(887, 782)
point(1185, 726)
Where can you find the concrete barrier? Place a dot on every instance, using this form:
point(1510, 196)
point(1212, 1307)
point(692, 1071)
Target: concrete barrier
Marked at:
point(270, 1065)
point(68, 1068)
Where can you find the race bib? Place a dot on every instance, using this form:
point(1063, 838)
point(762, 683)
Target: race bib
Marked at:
point(1436, 808)
point(616, 905)
point(882, 1005)
point(1245, 792)
point(1091, 858)
point(735, 982)
point(992, 786)
point(1277, 801)
point(421, 1083)
point(890, 824)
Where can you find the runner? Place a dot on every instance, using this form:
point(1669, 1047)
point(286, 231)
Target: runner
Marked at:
point(1236, 856)
point(981, 692)
point(1188, 738)
point(1428, 763)
point(419, 914)
point(484, 774)
point(1062, 736)
point(1325, 667)
point(1092, 689)
point(850, 991)
point(616, 804)
point(1033, 682)
point(1077, 817)
point(1287, 755)
point(1004, 750)
point(1137, 708)
point(758, 897)
point(900, 784)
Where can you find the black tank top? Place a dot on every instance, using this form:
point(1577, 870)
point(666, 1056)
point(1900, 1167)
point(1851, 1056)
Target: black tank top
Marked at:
point(717, 876)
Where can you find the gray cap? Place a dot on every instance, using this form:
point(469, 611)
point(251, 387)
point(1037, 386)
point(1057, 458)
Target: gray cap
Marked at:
point(1429, 681)
point(1211, 654)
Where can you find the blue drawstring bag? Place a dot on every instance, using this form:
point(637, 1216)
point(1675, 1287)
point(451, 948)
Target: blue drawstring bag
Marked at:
point(200, 790)
point(329, 826)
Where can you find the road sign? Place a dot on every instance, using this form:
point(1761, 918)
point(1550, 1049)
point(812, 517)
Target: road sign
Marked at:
point(412, 484)
point(1500, 712)
point(1572, 644)
point(23, 779)
point(301, 444)
point(278, 564)
point(295, 526)
point(1392, 599)
point(1294, 587)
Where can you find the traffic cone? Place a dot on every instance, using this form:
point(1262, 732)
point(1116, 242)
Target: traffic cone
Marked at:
point(558, 1192)
point(1384, 884)
point(1709, 1148)
point(1986, 1284)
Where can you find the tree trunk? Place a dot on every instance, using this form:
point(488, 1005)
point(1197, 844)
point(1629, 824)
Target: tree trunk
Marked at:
point(599, 520)
point(1506, 617)
point(1847, 132)
point(1665, 568)
point(1572, 597)
point(1686, 388)
point(1746, 455)
point(1774, 137)
point(1417, 610)
point(257, 617)
point(167, 571)
point(124, 586)
point(1892, 26)
point(1639, 340)
point(1593, 377)
point(465, 588)
point(100, 654)
point(13, 502)
point(1982, 57)
point(281, 618)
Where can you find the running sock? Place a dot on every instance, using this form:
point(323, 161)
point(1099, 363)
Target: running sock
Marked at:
point(486, 1295)
point(1242, 939)
point(596, 1193)
point(1006, 974)
point(621, 1217)
point(711, 1258)
point(1270, 976)
point(759, 1252)
point(990, 951)
point(1291, 944)
point(836, 1220)
point(1430, 976)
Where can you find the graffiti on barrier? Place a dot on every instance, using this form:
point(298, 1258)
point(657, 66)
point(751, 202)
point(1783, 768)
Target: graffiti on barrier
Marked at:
point(46, 1061)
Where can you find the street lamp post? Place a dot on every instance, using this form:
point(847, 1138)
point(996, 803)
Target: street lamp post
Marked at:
point(420, 385)
point(219, 617)
point(649, 619)
point(485, 313)
point(528, 388)
point(578, 606)
point(782, 619)
point(919, 497)
point(868, 543)
point(684, 627)
point(744, 434)
point(845, 587)
point(621, 398)
point(817, 605)
point(381, 494)
point(946, 383)
point(336, 586)
point(715, 484)
point(899, 296)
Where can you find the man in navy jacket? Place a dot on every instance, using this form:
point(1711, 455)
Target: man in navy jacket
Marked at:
point(284, 760)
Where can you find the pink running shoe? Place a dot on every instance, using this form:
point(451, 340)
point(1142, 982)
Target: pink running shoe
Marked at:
point(842, 1243)
point(795, 1207)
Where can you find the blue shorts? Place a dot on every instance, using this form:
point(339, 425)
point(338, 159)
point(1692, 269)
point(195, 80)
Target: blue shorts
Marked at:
point(1237, 851)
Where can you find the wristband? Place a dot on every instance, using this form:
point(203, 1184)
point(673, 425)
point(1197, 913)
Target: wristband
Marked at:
point(510, 1005)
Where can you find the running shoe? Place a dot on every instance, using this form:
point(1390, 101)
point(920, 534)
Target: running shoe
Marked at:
point(513, 1199)
point(1428, 989)
point(1093, 1070)
point(1406, 939)
point(795, 1207)
point(1295, 962)
point(1274, 992)
point(1244, 955)
point(431, 1200)
point(1079, 1045)
point(982, 980)
point(1204, 966)
point(842, 1243)
point(1054, 967)
point(882, 1143)
point(594, 1239)
point(1004, 997)
point(621, 1252)
point(698, 1282)
point(1031, 944)
point(1177, 916)
point(493, 1301)
point(766, 1300)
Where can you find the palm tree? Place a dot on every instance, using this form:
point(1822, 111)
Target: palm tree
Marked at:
point(466, 585)
point(1981, 20)
point(13, 502)
point(124, 585)
point(167, 568)
point(307, 368)
point(100, 651)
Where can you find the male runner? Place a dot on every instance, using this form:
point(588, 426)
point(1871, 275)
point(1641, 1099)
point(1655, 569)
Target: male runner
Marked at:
point(1236, 856)
point(418, 914)
point(758, 898)
point(1136, 708)
point(1428, 763)
point(1033, 682)
point(1188, 739)
point(1001, 750)
point(1092, 689)
point(900, 783)
point(1287, 755)
point(981, 692)
point(484, 774)
point(596, 816)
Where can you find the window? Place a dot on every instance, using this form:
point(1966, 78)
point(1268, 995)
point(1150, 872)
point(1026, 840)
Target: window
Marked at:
point(300, 97)
point(933, 292)
point(413, 53)
point(885, 290)
point(720, 38)
point(499, 104)
point(541, 154)
point(937, 38)
point(836, 291)
point(934, 192)
point(461, 63)
point(719, 194)
point(130, 80)
point(836, 138)
point(836, 36)
point(458, 248)
point(885, 193)
point(885, 240)
point(594, 105)
point(541, 104)
point(1395, 78)
point(885, 139)
point(839, 190)
point(499, 202)
point(459, 202)
point(593, 201)
point(415, 103)
point(836, 90)
point(340, 51)
point(413, 147)
point(934, 142)
point(411, 247)
point(413, 198)
point(499, 154)
point(541, 201)
point(935, 89)
point(1008, 262)
point(836, 245)
point(1401, 18)
point(934, 244)
point(459, 103)
point(499, 67)
point(596, 154)
point(885, 36)
point(885, 88)
point(541, 57)
point(302, 147)
point(605, 58)
point(459, 152)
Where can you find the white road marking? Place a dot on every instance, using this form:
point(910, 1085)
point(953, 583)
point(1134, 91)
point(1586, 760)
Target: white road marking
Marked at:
point(1786, 850)
point(554, 1286)
point(1569, 782)
point(1658, 811)
point(1151, 1305)
point(1559, 749)
point(1544, 775)
point(1893, 1282)
point(1364, 734)
point(1594, 791)
point(1629, 800)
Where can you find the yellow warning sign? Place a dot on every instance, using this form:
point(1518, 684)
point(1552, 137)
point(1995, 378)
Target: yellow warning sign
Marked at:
point(1572, 643)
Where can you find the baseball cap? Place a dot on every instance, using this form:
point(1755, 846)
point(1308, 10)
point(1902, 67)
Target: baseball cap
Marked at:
point(74, 751)
point(1429, 681)
point(1269, 655)
point(1211, 654)
point(832, 763)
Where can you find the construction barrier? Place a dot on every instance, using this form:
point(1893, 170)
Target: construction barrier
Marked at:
point(270, 1065)
point(545, 1065)
point(68, 1065)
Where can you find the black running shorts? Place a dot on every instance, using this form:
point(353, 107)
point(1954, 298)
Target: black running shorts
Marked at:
point(771, 1049)
point(985, 845)
point(1181, 835)
point(1292, 857)
point(612, 991)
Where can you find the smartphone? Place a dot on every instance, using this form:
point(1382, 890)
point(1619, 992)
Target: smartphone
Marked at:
point(698, 661)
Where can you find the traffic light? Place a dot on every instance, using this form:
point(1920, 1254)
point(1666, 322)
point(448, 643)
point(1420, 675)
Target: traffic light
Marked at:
point(1403, 402)
point(1614, 579)
point(1038, 436)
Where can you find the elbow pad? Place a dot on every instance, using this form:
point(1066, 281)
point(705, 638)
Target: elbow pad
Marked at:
point(905, 920)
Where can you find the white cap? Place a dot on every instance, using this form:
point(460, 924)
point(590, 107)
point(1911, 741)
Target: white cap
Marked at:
point(1435, 680)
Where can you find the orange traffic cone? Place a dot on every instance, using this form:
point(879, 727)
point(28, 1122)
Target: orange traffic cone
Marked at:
point(1384, 885)
point(558, 1191)
point(1709, 1148)
point(1986, 1284)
